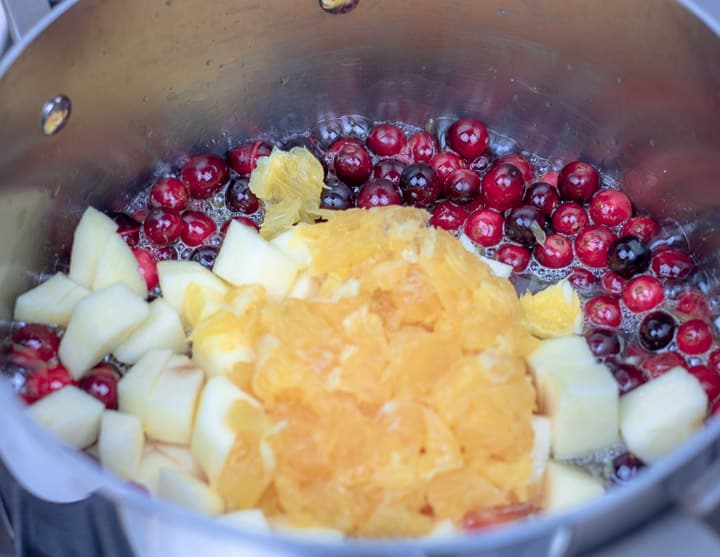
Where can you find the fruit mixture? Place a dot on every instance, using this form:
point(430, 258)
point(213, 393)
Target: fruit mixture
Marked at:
point(372, 330)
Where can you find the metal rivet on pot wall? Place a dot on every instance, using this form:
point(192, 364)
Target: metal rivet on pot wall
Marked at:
point(55, 114)
point(338, 6)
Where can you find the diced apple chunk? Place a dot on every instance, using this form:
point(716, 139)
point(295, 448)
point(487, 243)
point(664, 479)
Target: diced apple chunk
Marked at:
point(246, 258)
point(100, 323)
point(71, 414)
point(183, 489)
point(157, 456)
point(176, 276)
point(136, 385)
point(253, 519)
point(657, 417)
point(118, 264)
point(91, 235)
point(567, 486)
point(305, 286)
point(542, 433)
point(51, 302)
point(291, 244)
point(120, 445)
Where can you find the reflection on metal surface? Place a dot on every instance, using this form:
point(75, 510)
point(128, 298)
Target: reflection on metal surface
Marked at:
point(55, 114)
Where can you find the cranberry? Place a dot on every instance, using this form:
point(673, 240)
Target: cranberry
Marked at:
point(243, 158)
point(242, 220)
point(610, 207)
point(163, 226)
point(671, 263)
point(462, 185)
point(448, 216)
point(165, 253)
point(604, 310)
point(612, 283)
point(629, 256)
point(625, 468)
point(578, 181)
point(205, 255)
point(196, 228)
point(468, 138)
point(627, 376)
point(379, 193)
point(389, 169)
point(521, 163)
point(543, 196)
point(147, 267)
point(420, 185)
point(643, 293)
point(16, 359)
point(502, 187)
point(592, 245)
point(386, 140)
point(555, 253)
point(204, 175)
point(128, 228)
point(337, 196)
point(642, 227)
point(101, 382)
point(422, 147)
point(485, 227)
point(169, 193)
point(709, 380)
point(352, 164)
point(518, 257)
point(603, 342)
point(45, 381)
point(444, 163)
point(694, 303)
point(715, 407)
point(239, 198)
point(714, 360)
point(658, 364)
point(656, 330)
point(550, 177)
point(582, 279)
point(479, 164)
point(40, 339)
point(569, 218)
point(524, 225)
point(694, 337)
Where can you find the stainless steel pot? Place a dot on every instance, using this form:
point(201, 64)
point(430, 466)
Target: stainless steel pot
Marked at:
point(632, 86)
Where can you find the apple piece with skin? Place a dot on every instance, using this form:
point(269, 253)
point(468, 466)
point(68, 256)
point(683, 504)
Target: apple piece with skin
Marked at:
point(71, 414)
point(183, 489)
point(253, 520)
point(176, 277)
point(118, 264)
point(100, 323)
point(162, 455)
point(120, 445)
point(135, 386)
point(567, 486)
point(91, 235)
point(51, 302)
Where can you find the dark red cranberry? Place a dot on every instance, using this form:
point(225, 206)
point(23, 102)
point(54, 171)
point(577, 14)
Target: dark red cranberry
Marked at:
point(627, 376)
point(603, 342)
point(643, 293)
point(714, 360)
point(204, 175)
point(420, 185)
point(40, 339)
point(163, 226)
point(592, 245)
point(709, 380)
point(17, 360)
point(612, 283)
point(694, 337)
point(242, 220)
point(422, 147)
point(444, 163)
point(386, 140)
point(569, 218)
point(625, 468)
point(550, 177)
point(629, 256)
point(578, 181)
point(610, 207)
point(524, 225)
point(196, 228)
point(694, 303)
point(656, 330)
point(543, 196)
point(239, 198)
point(243, 158)
point(671, 263)
point(604, 310)
point(205, 255)
point(479, 164)
point(352, 164)
point(337, 196)
point(582, 279)
point(169, 193)
point(477, 203)
point(390, 170)
point(555, 253)
point(467, 137)
point(448, 216)
point(521, 163)
point(128, 228)
point(462, 185)
point(147, 267)
point(502, 187)
point(518, 257)
point(101, 382)
point(658, 364)
point(379, 193)
point(45, 381)
point(165, 253)
point(643, 227)
point(485, 227)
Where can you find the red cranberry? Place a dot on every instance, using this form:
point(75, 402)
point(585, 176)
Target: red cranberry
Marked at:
point(656, 330)
point(543, 196)
point(694, 303)
point(101, 382)
point(40, 339)
point(485, 227)
point(423, 147)
point(196, 228)
point(147, 267)
point(603, 342)
point(479, 164)
point(604, 310)
point(390, 170)
point(165, 253)
point(643, 293)
point(629, 256)
point(714, 360)
point(18, 359)
point(467, 137)
point(555, 253)
point(582, 279)
point(204, 175)
point(671, 263)
point(379, 193)
point(242, 220)
point(352, 164)
point(592, 245)
point(612, 283)
point(642, 227)
point(518, 257)
point(524, 225)
point(239, 198)
point(550, 177)
point(709, 380)
point(694, 337)
point(477, 203)
point(205, 255)
point(462, 185)
point(128, 228)
point(444, 163)
point(521, 163)
point(569, 218)
point(627, 376)
point(658, 364)
point(45, 381)
point(337, 196)
point(578, 181)
point(420, 185)
point(448, 216)
point(386, 140)
point(169, 193)
point(610, 207)
point(243, 158)
point(625, 468)
point(502, 187)
point(163, 226)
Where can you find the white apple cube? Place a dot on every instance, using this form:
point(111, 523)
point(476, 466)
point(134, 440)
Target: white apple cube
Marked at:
point(246, 258)
point(292, 244)
point(657, 417)
point(542, 435)
point(217, 354)
point(176, 276)
point(121, 442)
point(568, 486)
point(71, 414)
point(157, 456)
point(100, 323)
point(185, 490)
point(252, 519)
point(305, 287)
point(91, 235)
point(118, 264)
point(135, 386)
point(51, 302)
